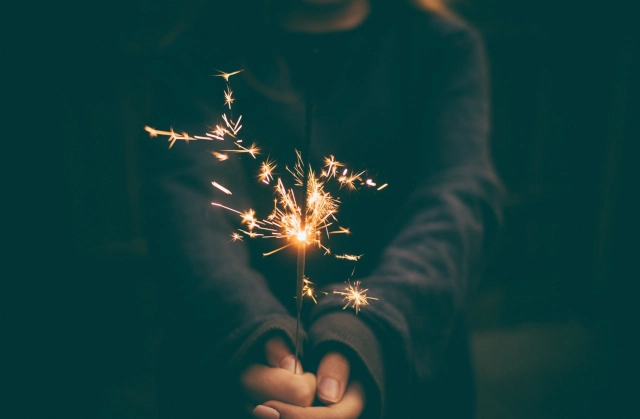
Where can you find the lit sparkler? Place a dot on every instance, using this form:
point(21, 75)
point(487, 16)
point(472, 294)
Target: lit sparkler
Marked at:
point(309, 222)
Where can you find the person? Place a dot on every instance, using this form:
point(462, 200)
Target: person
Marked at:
point(397, 87)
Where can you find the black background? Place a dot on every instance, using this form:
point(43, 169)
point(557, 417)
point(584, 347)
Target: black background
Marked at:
point(553, 322)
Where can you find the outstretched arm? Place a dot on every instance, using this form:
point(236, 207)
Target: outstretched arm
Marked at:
point(219, 308)
point(448, 221)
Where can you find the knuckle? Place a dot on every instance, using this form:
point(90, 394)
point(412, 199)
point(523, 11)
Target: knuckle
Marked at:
point(248, 376)
point(304, 395)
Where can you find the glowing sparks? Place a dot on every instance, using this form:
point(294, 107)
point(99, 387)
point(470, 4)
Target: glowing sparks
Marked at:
point(219, 156)
point(266, 171)
point(218, 133)
point(222, 188)
point(249, 218)
point(173, 136)
point(349, 180)
point(331, 167)
point(152, 131)
point(298, 170)
point(354, 296)
point(309, 291)
point(287, 221)
point(383, 186)
point(341, 230)
point(253, 149)
point(353, 258)
point(228, 99)
point(226, 76)
point(233, 126)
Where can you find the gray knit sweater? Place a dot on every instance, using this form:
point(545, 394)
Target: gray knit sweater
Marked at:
point(404, 96)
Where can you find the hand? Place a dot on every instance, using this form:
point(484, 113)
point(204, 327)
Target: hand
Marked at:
point(277, 380)
point(349, 407)
point(333, 376)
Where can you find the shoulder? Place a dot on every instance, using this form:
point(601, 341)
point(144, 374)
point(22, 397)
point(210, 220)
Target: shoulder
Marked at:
point(436, 26)
point(441, 34)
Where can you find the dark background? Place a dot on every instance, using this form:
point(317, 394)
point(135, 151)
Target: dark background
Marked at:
point(553, 322)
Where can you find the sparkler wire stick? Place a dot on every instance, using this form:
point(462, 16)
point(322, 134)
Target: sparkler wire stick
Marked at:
point(302, 244)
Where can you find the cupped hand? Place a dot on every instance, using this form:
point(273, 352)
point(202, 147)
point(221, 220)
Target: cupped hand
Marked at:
point(350, 406)
point(276, 381)
point(342, 400)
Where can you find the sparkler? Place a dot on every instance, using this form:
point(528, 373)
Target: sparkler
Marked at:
point(304, 224)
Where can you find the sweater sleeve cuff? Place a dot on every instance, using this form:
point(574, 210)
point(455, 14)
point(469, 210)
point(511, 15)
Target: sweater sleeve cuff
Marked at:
point(345, 332)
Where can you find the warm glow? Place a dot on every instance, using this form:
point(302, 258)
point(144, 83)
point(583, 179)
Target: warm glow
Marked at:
point(302, 236)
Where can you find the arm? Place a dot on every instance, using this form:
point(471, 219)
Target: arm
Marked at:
point(449, 220)
point(219, 309)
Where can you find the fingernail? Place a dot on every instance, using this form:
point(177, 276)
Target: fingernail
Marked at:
point(329, 390)
point(289, 363)
point(264, 412)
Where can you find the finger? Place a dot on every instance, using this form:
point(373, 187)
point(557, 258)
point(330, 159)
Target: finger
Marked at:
point(333, 376)
point(262, 383)
point(264, 412)
point(350, 407)
point(279, 355)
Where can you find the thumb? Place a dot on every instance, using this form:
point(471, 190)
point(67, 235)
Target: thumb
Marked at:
point(278, 354)
point(333, 375)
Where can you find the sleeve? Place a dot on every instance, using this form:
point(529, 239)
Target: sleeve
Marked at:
point(450, 219)
point(217, 308)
